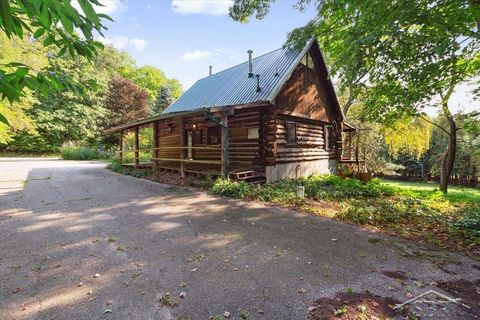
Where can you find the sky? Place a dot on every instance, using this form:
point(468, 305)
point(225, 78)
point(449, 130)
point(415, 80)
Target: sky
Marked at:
point(184, 37)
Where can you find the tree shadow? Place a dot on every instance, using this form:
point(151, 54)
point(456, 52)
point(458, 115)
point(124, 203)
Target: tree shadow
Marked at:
point(143, 239)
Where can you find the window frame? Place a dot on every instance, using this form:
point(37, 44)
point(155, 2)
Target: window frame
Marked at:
point(287, 135)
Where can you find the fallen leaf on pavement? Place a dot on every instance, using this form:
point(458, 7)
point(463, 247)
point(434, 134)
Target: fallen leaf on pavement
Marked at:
point(17, 290)
point(183, 284)
point(109, 302)
point(226, 314)
point(96, 275)
point(183, 294)
point(302, 290)
point(107, 311)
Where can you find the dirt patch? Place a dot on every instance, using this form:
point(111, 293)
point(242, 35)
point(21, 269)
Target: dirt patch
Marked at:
point(353, 306)
point(173, 178)
point(468, 291)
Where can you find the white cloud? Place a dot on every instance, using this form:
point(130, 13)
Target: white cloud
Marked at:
point(139, 44)
point(110, 7)
point(212, 7)
point(121, 42)
point(196, 55)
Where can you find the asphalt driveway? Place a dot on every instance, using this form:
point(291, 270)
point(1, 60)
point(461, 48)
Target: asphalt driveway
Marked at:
point(80, 242)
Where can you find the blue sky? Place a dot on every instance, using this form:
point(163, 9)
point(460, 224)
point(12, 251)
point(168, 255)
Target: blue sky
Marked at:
point(183, 38)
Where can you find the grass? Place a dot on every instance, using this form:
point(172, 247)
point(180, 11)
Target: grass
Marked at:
point(430, 190)
point(82, 153)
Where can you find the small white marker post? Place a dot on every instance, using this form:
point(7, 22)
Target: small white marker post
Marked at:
point(301, 192)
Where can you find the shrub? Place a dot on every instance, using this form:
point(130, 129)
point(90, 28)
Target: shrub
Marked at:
point(130, 171)
point(208, 182)
point(234, 189)
point(333, 187)
point(282, 192)
point(469, 223)
point(82, 153)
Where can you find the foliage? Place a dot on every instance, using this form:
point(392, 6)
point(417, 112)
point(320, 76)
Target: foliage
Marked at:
point(234, 189)
point(54, 24)
point(145, 141)
point(32, 54)
point(333, 187)
point(429, 191)
point(401, 57)
point(82, 153)
point(385, 211)
point(126, 101)
point(150, 79)
point(129, 171)
point(408, 136)
point(469, 223)
point(164, 99)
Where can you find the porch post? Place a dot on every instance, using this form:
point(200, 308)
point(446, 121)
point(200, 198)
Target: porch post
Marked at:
point(155, 144)
point(225, 156)
point(350, 151)
point(120, 145)
point(182, 144)
point(137, 147)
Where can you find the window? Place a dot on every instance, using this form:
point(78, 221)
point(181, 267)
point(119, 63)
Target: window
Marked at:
point(291, 133)
point(213, 135)
point(252, 133)
point(329, 137)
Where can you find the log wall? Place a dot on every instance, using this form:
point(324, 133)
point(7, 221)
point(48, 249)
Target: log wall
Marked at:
point(310, 141)
point(305, 95)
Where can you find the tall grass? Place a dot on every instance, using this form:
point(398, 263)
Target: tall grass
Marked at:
point(82, 153)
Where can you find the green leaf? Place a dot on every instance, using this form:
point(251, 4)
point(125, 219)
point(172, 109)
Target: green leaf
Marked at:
point(6, 17)
point(39, 33)
point(89, 11)
point(21, 72)
point(4, 119)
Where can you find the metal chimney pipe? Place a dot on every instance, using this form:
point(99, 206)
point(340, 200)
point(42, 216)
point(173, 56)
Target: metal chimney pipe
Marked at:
point(258, 83)
point(250, 67)
point(210, 70)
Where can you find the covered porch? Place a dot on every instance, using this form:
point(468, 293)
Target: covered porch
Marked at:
point(221, 143)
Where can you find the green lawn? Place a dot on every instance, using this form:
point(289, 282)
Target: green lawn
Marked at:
point(429, 190)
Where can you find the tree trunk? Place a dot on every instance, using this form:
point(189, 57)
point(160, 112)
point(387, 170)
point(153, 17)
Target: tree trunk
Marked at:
point(449, 156)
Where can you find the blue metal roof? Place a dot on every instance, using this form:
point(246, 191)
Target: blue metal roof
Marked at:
point(233, 86)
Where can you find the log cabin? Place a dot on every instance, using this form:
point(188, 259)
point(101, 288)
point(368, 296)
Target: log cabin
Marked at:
point(272, 117)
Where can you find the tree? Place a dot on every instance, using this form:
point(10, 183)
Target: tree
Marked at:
point(126, 102)
point(54, 23)
point(164, 99)
point(406, 55)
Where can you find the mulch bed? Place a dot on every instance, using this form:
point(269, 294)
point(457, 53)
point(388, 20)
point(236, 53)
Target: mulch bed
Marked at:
point(353, 306)
point(173, 178)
